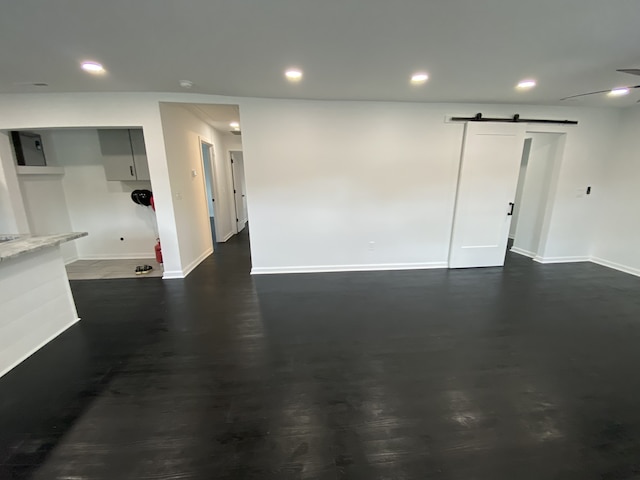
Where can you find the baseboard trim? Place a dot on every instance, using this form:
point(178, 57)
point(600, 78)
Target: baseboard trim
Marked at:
point(347, 268)
point(115, 256)
point(34, 350)
point(227, 237)
point(521, 251)
point(560, 259)
point(616, 266)
point(68, 261)
point(172, 274)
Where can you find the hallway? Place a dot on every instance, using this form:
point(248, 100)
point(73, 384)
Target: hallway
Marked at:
point(525, 372)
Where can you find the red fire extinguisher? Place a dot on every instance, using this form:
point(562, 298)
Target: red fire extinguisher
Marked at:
point(158, 251)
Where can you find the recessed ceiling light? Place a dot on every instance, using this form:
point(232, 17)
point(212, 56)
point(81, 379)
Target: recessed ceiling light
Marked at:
point(293, 75)
point(619, 92)
point(92, 67)
point(234, 125)
point(419, 78)
point(526, 84)
point(186, 83)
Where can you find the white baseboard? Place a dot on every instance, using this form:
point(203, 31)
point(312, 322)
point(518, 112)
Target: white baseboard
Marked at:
point(34, 350)
point(172, 274)
point(521, 251)
point(347, 268)
point(227, 236)
point(560, 259)
point(117, 256)
point(67, 261)
point(616, 266)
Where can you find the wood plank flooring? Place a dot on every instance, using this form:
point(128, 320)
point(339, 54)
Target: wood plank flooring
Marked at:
point(527, 372)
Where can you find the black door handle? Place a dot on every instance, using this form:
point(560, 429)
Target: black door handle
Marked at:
point(511, 205)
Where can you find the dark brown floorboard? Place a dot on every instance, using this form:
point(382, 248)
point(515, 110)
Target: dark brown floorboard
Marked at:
point(527, 372)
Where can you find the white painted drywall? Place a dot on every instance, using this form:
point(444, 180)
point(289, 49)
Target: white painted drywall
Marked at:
point(13, 216)
point(102, 208)
point(37, 304)
point(618, 227)
point(102, 110)
point(325, 179)
point(183, 132)
point(47, 210)
point(542, 156)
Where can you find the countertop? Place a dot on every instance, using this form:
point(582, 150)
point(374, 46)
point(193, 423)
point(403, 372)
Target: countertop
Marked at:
point(12, 246)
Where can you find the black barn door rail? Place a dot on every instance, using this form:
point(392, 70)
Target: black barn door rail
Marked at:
point(515, 119)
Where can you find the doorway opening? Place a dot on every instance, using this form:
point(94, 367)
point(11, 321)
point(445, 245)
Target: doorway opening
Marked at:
point(207, 162)
point(537, 181)
point(239, 189)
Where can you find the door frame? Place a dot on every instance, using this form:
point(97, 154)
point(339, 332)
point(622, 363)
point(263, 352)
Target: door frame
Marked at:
point(203, 141)
point(554, 177)
point(233, 189)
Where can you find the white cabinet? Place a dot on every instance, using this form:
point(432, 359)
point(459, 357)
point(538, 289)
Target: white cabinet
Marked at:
point(123, 154)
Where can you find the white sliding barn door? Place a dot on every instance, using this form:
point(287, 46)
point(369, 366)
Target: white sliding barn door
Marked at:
point(491, 155)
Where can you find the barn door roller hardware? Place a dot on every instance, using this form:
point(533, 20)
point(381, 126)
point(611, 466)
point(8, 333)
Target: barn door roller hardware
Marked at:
point(515, 119)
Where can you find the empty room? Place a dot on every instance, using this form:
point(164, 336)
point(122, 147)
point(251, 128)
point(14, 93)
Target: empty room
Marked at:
point(319, 240)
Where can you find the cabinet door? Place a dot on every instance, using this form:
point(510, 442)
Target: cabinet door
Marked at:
point(117, 156)
point(139, 154)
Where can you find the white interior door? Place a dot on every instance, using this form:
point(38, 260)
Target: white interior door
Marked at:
point(237, 164)
point(489, 167)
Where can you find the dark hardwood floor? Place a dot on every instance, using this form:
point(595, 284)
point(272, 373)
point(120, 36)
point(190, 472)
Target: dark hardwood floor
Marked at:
point(527, 372)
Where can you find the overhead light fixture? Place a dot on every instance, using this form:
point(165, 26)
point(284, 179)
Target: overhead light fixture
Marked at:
point(293, 75)
point(234, 125)
point(419, 78)
point(92, 67)
point(619, 92)
point(186, 83)
point(526, 84)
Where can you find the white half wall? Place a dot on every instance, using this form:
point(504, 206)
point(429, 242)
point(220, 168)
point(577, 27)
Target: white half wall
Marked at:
point(364, 184)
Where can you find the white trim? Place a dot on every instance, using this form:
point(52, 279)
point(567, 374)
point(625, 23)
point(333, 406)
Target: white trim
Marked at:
point(348, 268)
point(228, 236)
point(116, 256)
point(616, 266)
point(172, 274)
point(560, 259)
point(35, 349)
point(189, 268)
point(521, 251)
point(67, 261)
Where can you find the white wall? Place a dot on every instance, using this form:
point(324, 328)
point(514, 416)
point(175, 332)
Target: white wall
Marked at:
point(618, 227)
point(182, 134)
point(102, 208)
point(13, 216)
point(100, 110)
point(47, 210)
point(325, 179)
point(544, 153)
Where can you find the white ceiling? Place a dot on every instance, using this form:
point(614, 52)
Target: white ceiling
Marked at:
point(218, 116)
point(475, 51)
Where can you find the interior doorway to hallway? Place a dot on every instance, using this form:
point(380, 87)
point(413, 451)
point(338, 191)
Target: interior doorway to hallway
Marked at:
point(537, 180)
point(207, 162)
point(239, 189)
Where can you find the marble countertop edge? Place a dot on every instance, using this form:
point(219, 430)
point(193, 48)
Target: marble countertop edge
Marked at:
point(12, 246)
